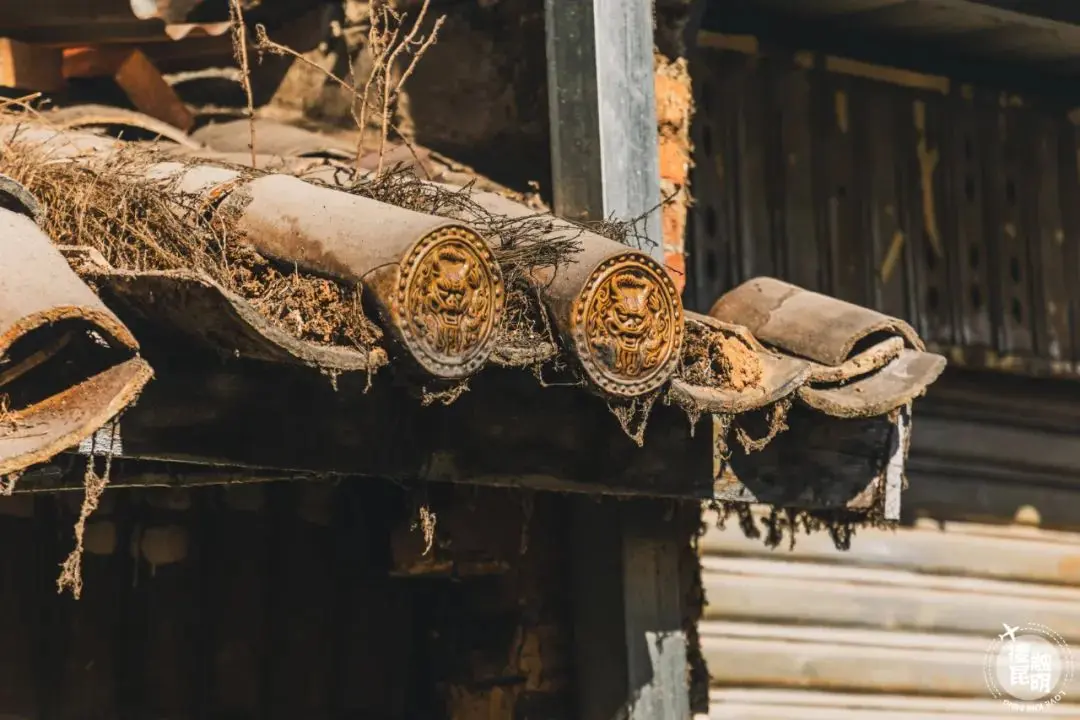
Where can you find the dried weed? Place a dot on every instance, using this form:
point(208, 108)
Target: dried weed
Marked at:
point(781, 523)
point(138, 223)
point(94, 485)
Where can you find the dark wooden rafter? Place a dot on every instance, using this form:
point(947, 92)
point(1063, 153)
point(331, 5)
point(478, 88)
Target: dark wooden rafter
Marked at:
point(224, 425)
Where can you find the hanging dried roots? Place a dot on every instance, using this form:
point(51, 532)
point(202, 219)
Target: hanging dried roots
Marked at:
point(426, 520)
point(94, 485)
point(776, 424)
point(446, 396)
point(8, 483)
point(633, 415)
point(781, 523)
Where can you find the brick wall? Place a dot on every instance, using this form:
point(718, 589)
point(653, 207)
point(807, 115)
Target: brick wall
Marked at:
point(674, 108)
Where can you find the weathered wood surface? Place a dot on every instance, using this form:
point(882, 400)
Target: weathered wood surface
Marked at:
point(842, 659)
point(943, 203)
point(902, 618)
point(278, 601)
point(925, 550)
point(770, 704)
point(630, 645)
point(30, 67)
point(506, 431)
point(818, 462)
point(760, 590)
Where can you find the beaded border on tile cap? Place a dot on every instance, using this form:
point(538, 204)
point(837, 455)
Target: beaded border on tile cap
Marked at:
point(597, 343)
point(450, 262)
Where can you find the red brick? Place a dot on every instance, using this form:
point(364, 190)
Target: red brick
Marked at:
point(676, 267)
point(674, 160)
point(673, 100)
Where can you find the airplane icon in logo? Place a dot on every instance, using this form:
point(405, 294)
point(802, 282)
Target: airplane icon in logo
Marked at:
point(1010, 632)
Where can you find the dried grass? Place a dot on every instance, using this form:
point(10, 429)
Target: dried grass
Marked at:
point(391, 45)
point(522, 246)
point(9, 482)
point(144, 224)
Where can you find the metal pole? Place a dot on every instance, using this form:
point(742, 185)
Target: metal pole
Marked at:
point(604, 148)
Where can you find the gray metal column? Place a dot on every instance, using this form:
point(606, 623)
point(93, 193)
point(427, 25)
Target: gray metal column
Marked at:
point(630, 646)
point(604, 148)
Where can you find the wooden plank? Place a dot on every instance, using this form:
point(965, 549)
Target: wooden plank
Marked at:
point(378, 637)
point(1069, 183)
point(239, 531)
point(88, 682)
point(149, 92)
point(387, 433)
point(715, 211)
point(1005, 143)
point(891, 75)
point(30, 67)
point(630, 645)
point(302, 633)
point(1033, 403)
point(498, 434)
point(169, 583)
point(753, 590)
point(1017, 530)
point(793, 102)
point(20, 573)
point(883, 226)
point(966, 242)
point(778, 704)
point(94, 61)
point(922, 136)
point(1051, 297)
point(603, 113)
point(941, 494)
point(848, 259)
point(993, 449)
point(845, 660)
point(753, 141)
point(932, 552)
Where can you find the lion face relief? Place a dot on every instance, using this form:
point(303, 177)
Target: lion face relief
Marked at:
point(451, 295)
point(451, 305)
point(629, 323)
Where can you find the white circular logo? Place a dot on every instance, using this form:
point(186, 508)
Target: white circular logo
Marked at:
point(1028, 667)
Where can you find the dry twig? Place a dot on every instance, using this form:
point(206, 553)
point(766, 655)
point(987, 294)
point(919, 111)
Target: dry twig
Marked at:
point(239, 38)
point(389, 45)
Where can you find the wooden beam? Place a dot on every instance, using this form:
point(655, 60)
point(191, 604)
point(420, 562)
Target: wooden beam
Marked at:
point(149, 92)
point(248, 421)
point(137, 77)
point(628, 633)
point(507, 431)
point(819, 462)
point(30, 67)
